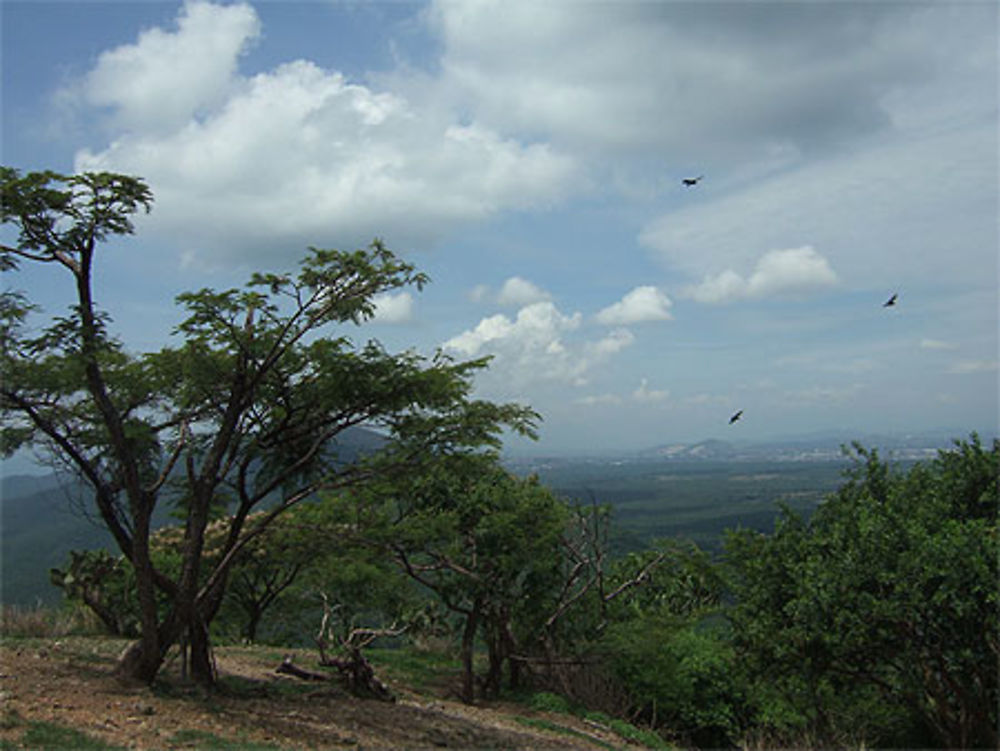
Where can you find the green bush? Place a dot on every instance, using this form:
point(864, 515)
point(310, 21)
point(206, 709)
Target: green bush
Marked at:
point(875, 622)
point(544, 701)
point(681, 676)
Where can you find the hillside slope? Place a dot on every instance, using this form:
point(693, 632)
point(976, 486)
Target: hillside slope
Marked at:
point(67, 683)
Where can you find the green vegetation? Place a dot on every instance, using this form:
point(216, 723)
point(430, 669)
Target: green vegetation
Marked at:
point(536, 722)
point(205, 741)
point(876, 621)
point(47, 736)
point(694, 500)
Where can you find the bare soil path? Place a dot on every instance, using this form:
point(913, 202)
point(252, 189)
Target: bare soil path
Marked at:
point(68, 682)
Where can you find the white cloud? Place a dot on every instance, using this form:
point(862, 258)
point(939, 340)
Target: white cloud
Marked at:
point(517, 292)
point(614, 342)
point(539, 344)
point(393, 308)
point(778, 272)
point(965, 367)
point(527, 348)
point(600, 399)
point(644, 303)
point(297, 154)
point(823, 395)
point(937, 344)
point(469, 343)
point(802, 77)
point(479, 293)
point(165, 79)
point(705, 399)
point(645, 394)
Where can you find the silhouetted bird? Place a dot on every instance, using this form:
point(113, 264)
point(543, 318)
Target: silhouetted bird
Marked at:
point(891, 301)
point(736, 417)
point(690, 182)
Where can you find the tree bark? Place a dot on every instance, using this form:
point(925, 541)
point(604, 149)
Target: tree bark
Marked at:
point(468, 649)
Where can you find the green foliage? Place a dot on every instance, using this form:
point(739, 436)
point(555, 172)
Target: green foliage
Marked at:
point(485, 542)
point(681, 677)
point(546, 701)
point(536, 722)
point(47, 736)
point(877, 620)
point(202, 739)
point(105, 584)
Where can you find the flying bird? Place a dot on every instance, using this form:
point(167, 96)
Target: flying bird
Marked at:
point(690, 182)
point(891, 301)
point(736, 417)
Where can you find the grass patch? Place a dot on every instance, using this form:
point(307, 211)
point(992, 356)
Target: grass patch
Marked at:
point(47, 736)
point(544, 701)
point(47, 623)
point(563, 730)
point(419, 670)
point(205, 741)
point(647, 738)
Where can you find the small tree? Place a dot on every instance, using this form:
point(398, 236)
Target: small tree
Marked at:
point(485, 542)
point(104, 583)
point(245, 412)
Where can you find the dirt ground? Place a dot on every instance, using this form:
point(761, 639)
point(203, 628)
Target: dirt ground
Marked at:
point(68, 682)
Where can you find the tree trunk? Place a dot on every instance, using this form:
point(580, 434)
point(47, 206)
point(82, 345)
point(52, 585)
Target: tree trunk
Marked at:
point(494, 673)
point(468, 648)
point(253, 623)
point(202, 662)
point(142, 659)
point(510, 649)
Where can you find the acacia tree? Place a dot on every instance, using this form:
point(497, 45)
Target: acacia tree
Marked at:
point(243, 414)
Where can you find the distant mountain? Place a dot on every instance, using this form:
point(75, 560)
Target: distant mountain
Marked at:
point(824, 446)
point(41, 520)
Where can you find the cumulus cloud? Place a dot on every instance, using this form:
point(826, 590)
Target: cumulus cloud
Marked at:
point(539, 344)
point(517, 292)
point(535, 332)
point(393, 308)
point(778, 272)
point(644, 303)
point(296, 154)
point(165, 79)
point(614, 342)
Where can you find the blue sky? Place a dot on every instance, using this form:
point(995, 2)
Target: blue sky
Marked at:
point(529, 157)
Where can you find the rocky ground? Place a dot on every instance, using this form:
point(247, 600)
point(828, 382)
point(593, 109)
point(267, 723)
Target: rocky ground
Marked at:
point(68, 682)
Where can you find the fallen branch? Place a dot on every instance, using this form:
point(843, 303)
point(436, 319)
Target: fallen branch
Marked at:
point(287, 668)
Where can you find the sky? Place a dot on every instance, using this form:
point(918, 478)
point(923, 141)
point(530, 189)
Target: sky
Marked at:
point(529, 157)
